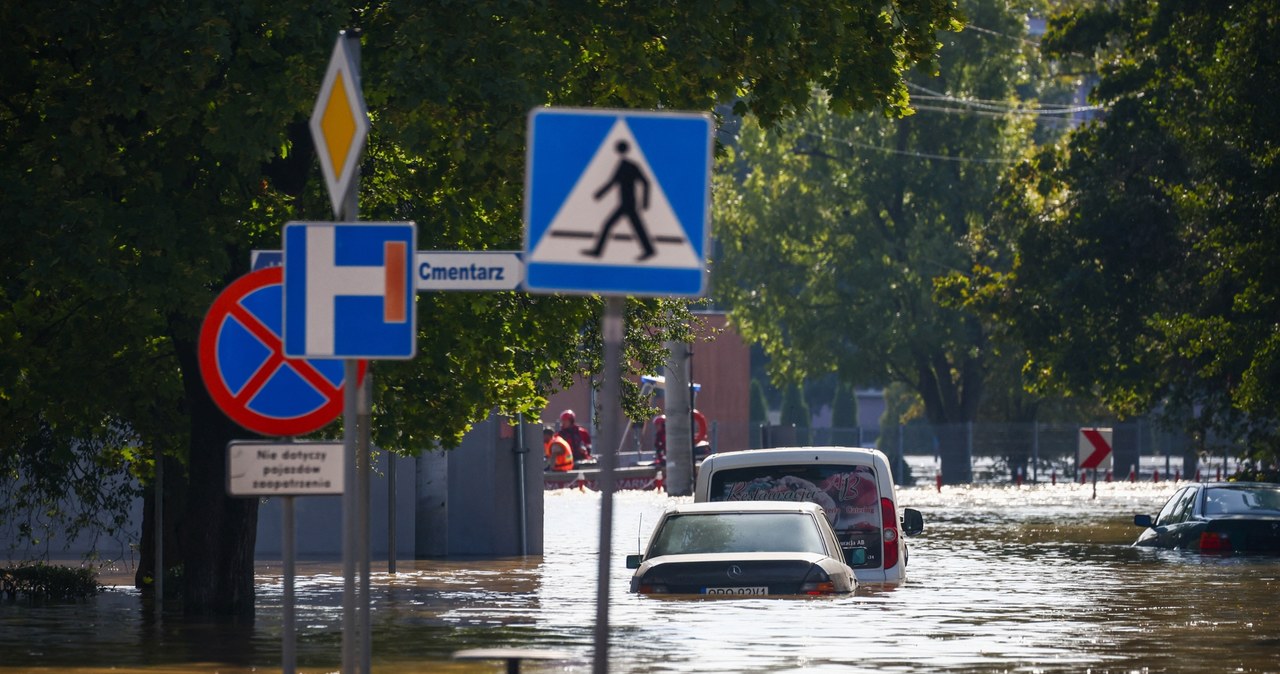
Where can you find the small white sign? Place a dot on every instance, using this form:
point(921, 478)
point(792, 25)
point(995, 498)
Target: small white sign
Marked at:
point(468, 270)
point(284, 468)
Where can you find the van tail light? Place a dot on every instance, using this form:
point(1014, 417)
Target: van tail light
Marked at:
point(1215, 541)
point(889, 524)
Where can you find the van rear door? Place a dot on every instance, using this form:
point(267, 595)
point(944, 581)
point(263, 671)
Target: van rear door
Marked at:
point(848, 493)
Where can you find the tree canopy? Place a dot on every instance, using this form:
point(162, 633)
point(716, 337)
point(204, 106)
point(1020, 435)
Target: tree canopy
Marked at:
point(834, 227)
point(147, 148)
point(1136, 261)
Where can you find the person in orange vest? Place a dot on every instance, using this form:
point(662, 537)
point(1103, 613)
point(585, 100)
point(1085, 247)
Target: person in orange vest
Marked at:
point(559, 456)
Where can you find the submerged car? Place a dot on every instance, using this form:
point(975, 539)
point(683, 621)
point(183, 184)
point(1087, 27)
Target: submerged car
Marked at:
point(744, 548)
point(1220, 517)
point(853, 485)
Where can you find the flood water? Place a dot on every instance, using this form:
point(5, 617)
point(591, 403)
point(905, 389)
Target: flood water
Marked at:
point(1004, 579)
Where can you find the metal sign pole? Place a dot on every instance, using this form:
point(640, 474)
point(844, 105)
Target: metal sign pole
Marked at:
point(349, 393)
point(611, 389)
point(364, 414)
point(288, 651)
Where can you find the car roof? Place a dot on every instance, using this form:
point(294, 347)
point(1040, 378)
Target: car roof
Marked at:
point(746, 506)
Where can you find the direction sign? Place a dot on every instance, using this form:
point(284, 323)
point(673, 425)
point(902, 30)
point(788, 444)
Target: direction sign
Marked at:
point(284, 468)
point(349, 290)
point(1095, 448)
point(260, 259)
point(340, 121)
point(468, 270)
point(617, 202)
point(246, 372)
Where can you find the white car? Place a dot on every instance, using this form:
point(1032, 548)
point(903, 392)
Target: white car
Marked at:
point(852, 484)
point(737, 549)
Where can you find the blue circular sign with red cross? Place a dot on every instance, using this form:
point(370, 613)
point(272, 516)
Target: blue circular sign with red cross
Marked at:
point(246, 372)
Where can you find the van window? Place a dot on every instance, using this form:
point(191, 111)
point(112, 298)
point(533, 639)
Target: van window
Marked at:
point(848, 494)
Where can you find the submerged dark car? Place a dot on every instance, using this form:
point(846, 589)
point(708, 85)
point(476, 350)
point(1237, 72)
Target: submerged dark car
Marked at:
point(1220, 517)
point(743, 548)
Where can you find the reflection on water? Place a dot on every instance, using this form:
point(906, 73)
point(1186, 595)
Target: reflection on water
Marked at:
point(1032, 579)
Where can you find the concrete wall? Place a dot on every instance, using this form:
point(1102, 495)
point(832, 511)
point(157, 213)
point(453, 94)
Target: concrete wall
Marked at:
point(318, 519)
point(468, 498)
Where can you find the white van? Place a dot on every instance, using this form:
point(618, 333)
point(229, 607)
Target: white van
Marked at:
point(853, 484)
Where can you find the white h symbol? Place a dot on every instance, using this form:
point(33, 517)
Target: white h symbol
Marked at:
point(326, 281)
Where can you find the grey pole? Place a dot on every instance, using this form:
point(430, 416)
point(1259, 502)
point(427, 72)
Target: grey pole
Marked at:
point(391, 513)
point(349, 392)
point(159, 532)
point(288, 652)
point(522, 503)
point(364, 414)
point(611, 389)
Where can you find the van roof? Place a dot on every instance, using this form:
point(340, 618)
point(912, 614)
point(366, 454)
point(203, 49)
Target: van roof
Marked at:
point(864, 455)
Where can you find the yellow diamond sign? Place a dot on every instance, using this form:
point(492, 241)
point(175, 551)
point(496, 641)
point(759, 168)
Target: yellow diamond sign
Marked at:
point(340, 121)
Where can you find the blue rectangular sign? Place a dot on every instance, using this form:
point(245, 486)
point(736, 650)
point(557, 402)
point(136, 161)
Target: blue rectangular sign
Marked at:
point(349, 290)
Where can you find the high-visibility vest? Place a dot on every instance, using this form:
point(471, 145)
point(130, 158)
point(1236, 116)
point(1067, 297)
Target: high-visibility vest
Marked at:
point(559, 454)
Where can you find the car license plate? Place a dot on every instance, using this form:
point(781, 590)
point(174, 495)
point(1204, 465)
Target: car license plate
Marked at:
point(736, 590)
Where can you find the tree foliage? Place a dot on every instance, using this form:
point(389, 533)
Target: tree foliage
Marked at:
point(834, 227)
point(1136, 262)
point(147, 148)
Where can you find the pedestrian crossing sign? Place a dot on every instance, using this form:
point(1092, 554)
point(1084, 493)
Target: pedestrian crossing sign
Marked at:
point(617, 202)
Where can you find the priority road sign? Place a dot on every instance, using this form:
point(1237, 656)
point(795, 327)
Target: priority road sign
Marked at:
point(1095, 448)
point(617, 202)
point(340, 120)
point(246, 372)
point(349, 290)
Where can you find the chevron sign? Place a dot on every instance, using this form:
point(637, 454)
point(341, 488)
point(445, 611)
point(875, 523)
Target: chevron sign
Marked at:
point(1095, 448)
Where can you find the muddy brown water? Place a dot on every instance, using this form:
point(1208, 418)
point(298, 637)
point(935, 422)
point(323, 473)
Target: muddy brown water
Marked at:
point(1004, 579)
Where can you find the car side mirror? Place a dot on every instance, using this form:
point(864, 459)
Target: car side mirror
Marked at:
point(1142, 520)
point(912, 522)
point(633, 561)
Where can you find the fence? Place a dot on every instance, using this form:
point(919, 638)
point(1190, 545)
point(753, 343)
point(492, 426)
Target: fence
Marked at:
point(1008, 452)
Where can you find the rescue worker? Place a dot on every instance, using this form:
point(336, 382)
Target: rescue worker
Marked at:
point(660, 440)
point(701, 448)
point(578, 437)
point(558, 455)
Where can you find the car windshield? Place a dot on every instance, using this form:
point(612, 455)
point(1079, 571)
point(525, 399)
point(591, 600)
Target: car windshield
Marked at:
point(697, 533)
point(1242, 501)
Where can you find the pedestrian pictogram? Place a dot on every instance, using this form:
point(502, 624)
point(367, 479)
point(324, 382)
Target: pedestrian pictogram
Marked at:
point(628, 179)
point(349, 290)
point(617, 202)
point(246, 372)
point(1095, 449)
point(340, 122)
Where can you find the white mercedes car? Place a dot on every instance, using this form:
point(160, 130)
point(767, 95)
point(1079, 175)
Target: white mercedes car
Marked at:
point(742, 548)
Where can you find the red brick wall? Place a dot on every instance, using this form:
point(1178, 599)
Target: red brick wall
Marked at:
point(723, 369)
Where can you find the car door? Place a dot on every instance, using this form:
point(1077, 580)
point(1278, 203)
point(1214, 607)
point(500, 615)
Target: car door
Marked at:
point(1174, 529)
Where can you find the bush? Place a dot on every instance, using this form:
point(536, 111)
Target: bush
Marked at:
point(45, 581)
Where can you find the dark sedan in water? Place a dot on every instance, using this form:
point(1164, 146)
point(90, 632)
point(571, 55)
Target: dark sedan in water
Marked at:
point(1222, 517)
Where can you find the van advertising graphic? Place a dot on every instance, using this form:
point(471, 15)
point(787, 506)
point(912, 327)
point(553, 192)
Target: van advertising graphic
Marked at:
point(847, 493)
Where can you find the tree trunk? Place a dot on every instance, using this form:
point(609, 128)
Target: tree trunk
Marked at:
point(222, 531)
point(175, 488)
